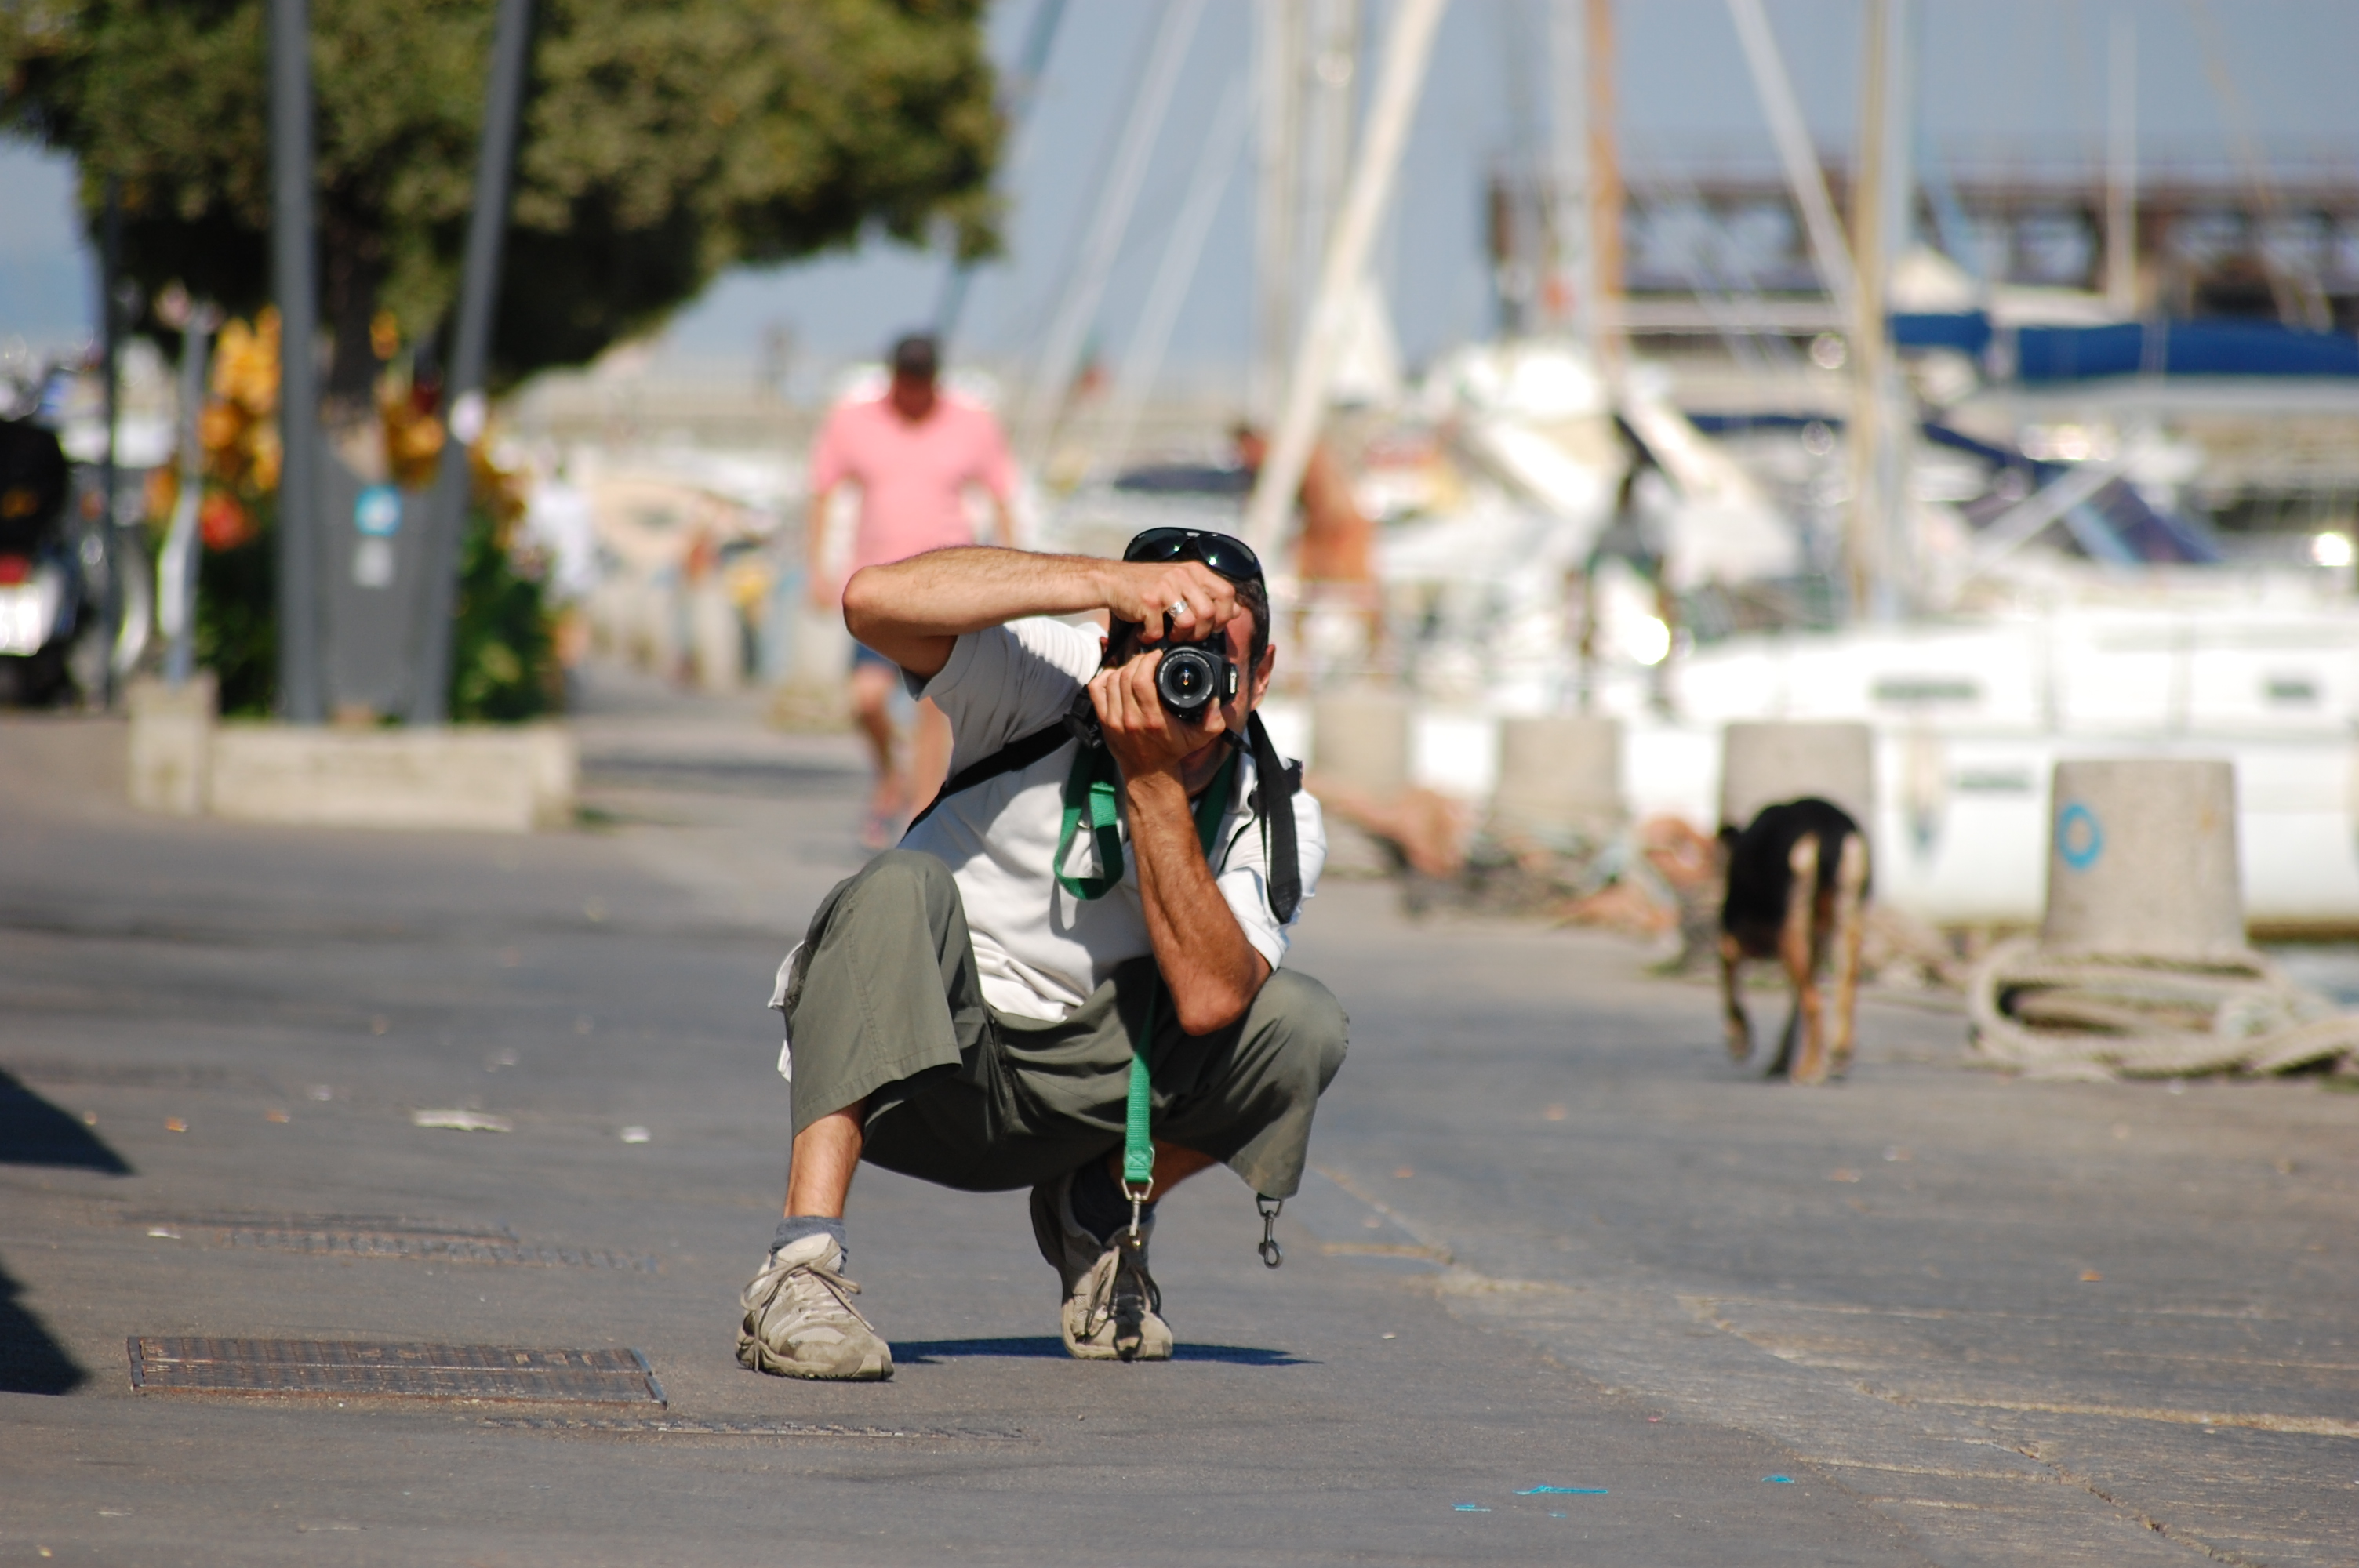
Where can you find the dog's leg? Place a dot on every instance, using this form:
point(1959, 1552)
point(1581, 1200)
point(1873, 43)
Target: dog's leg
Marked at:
point(1786, 1037)
point(1731, 999)
point(1850, 930)
point(1797, 946)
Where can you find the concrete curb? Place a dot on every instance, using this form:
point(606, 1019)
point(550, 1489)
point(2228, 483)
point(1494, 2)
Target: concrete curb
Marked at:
point(498, 780)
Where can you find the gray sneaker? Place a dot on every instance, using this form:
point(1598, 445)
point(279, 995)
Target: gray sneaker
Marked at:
point(1112, 1308)
point(800, 1322)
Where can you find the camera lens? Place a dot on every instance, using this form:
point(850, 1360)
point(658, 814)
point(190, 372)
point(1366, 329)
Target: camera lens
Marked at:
point(1185, 680)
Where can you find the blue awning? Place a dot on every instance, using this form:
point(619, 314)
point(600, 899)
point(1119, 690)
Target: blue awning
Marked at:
point(2182, 348)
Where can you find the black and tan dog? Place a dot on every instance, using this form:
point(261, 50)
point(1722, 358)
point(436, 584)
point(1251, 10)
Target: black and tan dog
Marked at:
point(1796, 892)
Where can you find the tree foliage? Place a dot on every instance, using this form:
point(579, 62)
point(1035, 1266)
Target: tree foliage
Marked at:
point(662, 143)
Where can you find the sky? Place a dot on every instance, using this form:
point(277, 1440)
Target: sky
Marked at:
point(2002, 82)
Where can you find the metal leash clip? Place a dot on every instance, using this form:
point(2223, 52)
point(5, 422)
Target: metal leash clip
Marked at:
point(1137, 1193)
point(1270, 1256)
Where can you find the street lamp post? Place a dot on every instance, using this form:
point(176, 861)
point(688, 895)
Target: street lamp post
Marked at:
point(463, 408)
point(295, 259)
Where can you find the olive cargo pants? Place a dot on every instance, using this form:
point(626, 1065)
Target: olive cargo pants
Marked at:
point(883, 1005)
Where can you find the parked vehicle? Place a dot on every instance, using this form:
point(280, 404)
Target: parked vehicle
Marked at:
point(43, 596)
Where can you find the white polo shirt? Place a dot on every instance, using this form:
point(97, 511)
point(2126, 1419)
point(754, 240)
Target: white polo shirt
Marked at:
point(1039, 951)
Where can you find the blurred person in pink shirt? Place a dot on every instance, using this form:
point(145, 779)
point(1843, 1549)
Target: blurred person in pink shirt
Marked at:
point(914, 453)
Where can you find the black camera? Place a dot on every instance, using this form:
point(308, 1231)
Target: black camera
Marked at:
point(1194, 675)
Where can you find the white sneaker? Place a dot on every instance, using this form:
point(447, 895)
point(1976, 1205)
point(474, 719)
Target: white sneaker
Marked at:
point(1112, 1308)
point(799, 1320)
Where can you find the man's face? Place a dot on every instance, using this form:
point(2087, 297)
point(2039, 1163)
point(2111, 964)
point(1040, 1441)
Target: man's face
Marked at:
point(1199, 766)
point(913, 396)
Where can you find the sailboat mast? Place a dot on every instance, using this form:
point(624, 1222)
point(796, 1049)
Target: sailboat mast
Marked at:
point(1606, 200)
point(1409, 48)
point(2121, 170)
point(1335, 64)
point(1277, 203)
point(1570, 302)
point(1870, 351)
point(1068, 336)
point(1804, 179)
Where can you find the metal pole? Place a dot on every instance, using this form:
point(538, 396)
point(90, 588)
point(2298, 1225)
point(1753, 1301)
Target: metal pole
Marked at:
point(2121, 172)
point(1863, 542)
point(1409, 48)
point(1898, 420)
point(1277, 203)
point(1575, 296)
point(176, 575)
point(295, 266)
point(1023, 89)
point(1604, 189)
point(1331, 93)
point(462, 392)
point(110, 351)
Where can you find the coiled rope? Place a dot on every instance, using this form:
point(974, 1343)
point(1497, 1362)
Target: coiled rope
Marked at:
point(2101, 1016)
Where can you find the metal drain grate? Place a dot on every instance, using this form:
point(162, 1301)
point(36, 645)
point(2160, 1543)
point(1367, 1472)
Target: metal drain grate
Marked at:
point(746, 1426)
point(362, 1236)
point(347, 1367)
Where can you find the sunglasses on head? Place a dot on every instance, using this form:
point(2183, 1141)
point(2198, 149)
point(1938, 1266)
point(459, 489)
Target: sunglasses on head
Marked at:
point(1228, 556)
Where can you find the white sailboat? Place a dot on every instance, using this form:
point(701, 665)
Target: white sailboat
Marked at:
point(2009, 612)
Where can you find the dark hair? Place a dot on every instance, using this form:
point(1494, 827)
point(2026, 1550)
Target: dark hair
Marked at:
point(1254, 594)
point(917, 356)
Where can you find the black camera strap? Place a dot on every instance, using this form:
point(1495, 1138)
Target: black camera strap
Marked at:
point(1276, 783)
point(1013, 757)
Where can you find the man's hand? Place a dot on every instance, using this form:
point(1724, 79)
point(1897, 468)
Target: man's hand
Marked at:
point(1213, 971)
point(1199, 600)
point(1143, 735)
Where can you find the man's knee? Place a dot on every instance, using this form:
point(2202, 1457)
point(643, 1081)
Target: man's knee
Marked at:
point(1305, 1026)
point(897, 884)
point(904, 869)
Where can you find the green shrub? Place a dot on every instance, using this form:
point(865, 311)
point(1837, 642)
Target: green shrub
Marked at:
point(504, 655)
point(502, 658)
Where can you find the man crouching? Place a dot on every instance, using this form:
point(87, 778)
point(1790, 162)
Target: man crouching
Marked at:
point(1100, 879)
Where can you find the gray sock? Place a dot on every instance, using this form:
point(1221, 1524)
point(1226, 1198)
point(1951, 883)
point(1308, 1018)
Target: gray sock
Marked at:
point(804, 1226)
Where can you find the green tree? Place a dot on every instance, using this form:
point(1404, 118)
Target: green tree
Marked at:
point(662, 143)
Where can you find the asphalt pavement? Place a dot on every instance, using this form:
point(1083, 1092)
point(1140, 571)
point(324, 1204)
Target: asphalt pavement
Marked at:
point(1553, 1241)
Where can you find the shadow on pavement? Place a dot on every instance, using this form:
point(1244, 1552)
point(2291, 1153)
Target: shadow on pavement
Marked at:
point(30, 1361)
point(35, 1132)
point(1043, 1347)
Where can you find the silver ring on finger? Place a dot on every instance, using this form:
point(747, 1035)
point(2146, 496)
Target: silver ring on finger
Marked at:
point(1178, 606)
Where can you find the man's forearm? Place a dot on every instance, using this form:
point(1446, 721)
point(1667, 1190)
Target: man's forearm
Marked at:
point(943, 593)
point(914, 611)
point(1213, 971)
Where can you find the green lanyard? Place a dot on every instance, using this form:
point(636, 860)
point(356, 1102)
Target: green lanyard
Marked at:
point(1091, 788)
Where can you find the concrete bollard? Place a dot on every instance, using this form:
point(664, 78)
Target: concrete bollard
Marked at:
point(2142, 861)
point(172, 743)
point(1360, 739)
point(1762, 764)
point(1559, 775)
point(716, 639)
